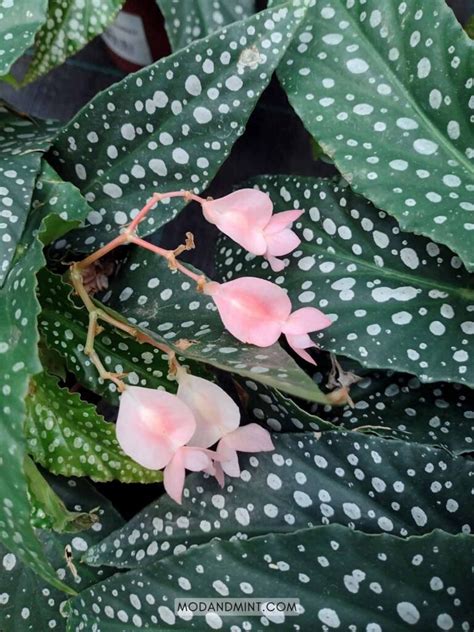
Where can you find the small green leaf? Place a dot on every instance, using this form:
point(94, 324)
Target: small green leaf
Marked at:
point(68, 28)
point(67, 436)
point(22, 142)
point(397, 301)
point(169, 126)
point(343, 578)
point(27, 602)
point(167, 306)
point(186, 22)
point(367, 483)
point(387, 92)
point(19, 21)
point(48, 510)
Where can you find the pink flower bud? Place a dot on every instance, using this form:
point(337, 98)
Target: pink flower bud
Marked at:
point(281, 240)
point(215, 412)
point(152, 425)
point(253, 310)
point(297, 326)
point(242, 216)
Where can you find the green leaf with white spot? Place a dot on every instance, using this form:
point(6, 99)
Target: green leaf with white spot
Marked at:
point(67, 436)
point(397, 405)
point(367, 483)
point(63, 325)
point(166, 306)
point(388, 93)
point(22, 141)
point(397, 301)
point(68, 28)
point(171, 125)
point(27, 602)
point(343, 578)
point(189, 21)
point(19, 21)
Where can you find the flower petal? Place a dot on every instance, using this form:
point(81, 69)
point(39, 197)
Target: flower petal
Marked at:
point(251, 309)
point(280, 221)
point(304, 320)
point(277, 265)
point(152, 425)
point(215, 412)
point(299, 343)
point(282, 243)
point(173, 477)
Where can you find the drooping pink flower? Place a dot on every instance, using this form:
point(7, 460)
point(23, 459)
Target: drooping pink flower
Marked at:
point(280, 239)
point(185, 458)
point(299, 324)
point(242, 216)
point(152, 425)
point(253, 310)
point(214, 410)
point(250, 438)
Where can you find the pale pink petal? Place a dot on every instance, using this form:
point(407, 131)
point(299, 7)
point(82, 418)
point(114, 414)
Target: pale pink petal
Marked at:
point(282, 243)
point(229, 461)
point(152, 425)
point(215, 412)
point(185, 458)
point(305, 320)
point(242, 216)
point(280, 221)
point(277, 265)
point(219, 474)
point(299, 344)
point(250, 438)
point(253, 310)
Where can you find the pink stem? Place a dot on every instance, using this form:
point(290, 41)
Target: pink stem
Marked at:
point(157, 197)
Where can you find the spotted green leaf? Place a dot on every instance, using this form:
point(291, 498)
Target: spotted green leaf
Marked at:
point(186, 22)
point(19, 21)
point(171, 125)
point(68, 28)
point(397, 301)
point(388, 93)
point(343, 578)
point(67, 436)
point(398, 405)
point(27, 602)
point(363, 482)
point(63, 326)
point(22, 142)
point(168, 307)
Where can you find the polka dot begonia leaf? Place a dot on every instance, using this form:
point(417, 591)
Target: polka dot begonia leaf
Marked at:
point(189, 21)
point(63, 326)
point(367, 483)
point(397, 301)
point(67, 436)
point(387, 91)
point(69, 26)
point(19, 21)
point(399, 406)
point(22, 141)
point(28, 603)
point(167, 306)
point(171, 125)
point(344, 580)
point(19, 360)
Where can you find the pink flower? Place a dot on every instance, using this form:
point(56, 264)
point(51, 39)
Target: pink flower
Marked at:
point(152, 425)
point(215, 412)
point(253, 310)
point(298, 325)
point(281, 240)
point(250, 438)
point(242, 216)
point(185, 458)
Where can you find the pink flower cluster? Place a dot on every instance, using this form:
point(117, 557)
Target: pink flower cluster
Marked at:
point(246, 216)
point(159, 430)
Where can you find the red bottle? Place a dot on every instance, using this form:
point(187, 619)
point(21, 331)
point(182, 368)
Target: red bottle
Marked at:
point(137, 37)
